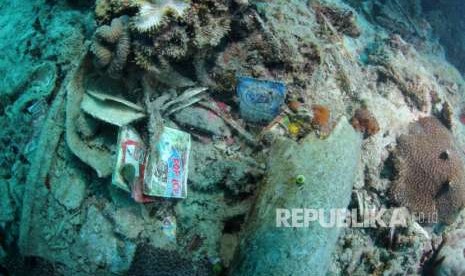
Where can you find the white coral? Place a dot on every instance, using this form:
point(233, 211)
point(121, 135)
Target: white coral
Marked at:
point(151, 15)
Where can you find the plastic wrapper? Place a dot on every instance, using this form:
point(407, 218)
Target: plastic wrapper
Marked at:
point(167, 174)
point(260, 100)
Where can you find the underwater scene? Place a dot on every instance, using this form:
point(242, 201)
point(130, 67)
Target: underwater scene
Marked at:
point(232, 137)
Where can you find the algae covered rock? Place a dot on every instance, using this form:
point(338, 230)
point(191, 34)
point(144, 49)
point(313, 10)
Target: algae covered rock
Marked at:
point(329, 168)
point(452, 255)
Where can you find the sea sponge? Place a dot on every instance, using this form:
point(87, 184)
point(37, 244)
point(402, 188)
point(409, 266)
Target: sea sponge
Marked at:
point(151, 15)
point(365, 122)
point(430, 177)
point(111, 45)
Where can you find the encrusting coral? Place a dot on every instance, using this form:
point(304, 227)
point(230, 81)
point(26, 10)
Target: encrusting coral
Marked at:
point(430, 171)
point(111, 46)
point(365, 122)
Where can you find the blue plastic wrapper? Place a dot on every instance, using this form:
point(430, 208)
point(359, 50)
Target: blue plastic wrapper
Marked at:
point(260, 100)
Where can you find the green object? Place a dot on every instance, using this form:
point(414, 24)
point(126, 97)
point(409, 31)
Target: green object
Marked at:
point(300, 179)
point(129, 173)
point(329, 167)
point(217, 268)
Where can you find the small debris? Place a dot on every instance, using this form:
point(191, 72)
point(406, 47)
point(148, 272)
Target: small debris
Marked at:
point(169, 227)
point(300, 179)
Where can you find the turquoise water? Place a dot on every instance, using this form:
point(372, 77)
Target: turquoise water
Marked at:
point(263, 92)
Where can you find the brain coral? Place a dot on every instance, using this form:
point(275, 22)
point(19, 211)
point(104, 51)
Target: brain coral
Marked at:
point(111, 46)
point(430, 171)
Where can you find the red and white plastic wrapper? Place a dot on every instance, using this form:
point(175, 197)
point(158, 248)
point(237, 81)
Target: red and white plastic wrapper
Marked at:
point(131, 150)
point(167, 175)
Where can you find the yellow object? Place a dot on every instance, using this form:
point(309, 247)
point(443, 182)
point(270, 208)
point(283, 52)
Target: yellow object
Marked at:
point(294, 129)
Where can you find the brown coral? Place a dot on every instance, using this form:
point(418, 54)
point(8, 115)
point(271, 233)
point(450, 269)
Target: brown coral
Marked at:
point(365, 122)
point(111, 46)
point(430, 171)
point(321, 115)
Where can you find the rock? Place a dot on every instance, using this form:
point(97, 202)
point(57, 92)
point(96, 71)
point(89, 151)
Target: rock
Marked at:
point(100, 245)
point(329, 167)
point(69, 189)
point(202, 120)
point(6, 208)
point(127, 223)
point(453, 252)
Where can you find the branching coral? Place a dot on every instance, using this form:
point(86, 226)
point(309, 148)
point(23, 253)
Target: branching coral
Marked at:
point(431, 176)
point(153, 15)
point(111, 46)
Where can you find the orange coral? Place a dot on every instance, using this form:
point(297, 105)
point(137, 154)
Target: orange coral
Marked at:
point(321, 115)
point(365, 122)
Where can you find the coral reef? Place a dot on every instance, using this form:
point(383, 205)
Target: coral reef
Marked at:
point(365, 122)
point(321, 116)
point(343, 20)
point(111, 45)
point(451, 257)
point(153, 15)
point(178, 61)
point(431, 176)
point(210, 21)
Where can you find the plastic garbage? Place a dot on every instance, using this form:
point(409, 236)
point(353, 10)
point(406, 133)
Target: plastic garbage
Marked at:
point(111, 109)
point(169, 227)
point(166, 176)
point(260, 100)
point(130, 160)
